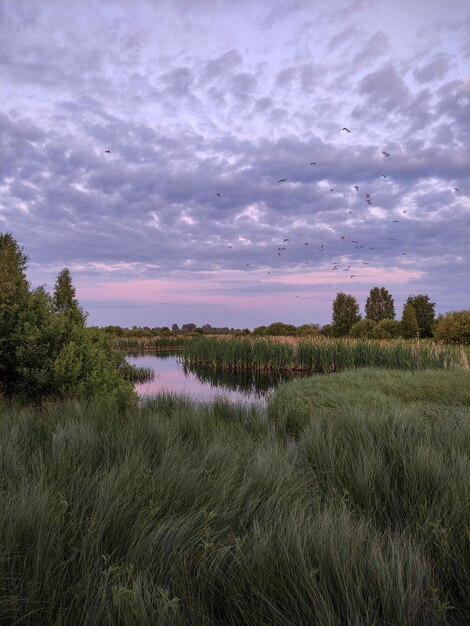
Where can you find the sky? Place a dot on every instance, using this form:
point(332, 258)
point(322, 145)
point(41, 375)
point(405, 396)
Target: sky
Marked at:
point(141, 145)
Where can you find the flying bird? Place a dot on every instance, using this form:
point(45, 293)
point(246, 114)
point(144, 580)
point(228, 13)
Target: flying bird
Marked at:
point(218, 194)
point(383, 176)
point(356, 187)
point(386, 154)
point(285, 240)
point(396, 221)
point(305, 243)
point(456, 189)
point(366, 262)
point(346, 129)
point(353, 276)
point(347, 269)
point(282, 180)
point(108, 151)
point(343, 237)
point(332, 189)
point(312, 163)
point(350, 213)
point(229, 247)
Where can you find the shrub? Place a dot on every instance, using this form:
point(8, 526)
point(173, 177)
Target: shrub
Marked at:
point(45, 348)
point(454, 327)
point(363, 328)
point(387, 329)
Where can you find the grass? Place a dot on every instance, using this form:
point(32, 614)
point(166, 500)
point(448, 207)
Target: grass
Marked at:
point(150, 344)
point(319, 355)
point(348, 502)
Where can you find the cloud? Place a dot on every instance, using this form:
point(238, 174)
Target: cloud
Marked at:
point(434, 70)
point(231, 111)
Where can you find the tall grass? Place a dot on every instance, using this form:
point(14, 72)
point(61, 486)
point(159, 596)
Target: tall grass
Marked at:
point(316, 355)
point(347, 503)
point(149, 344)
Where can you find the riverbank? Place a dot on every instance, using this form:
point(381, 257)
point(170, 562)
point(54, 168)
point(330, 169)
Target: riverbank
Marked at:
point(347, 502)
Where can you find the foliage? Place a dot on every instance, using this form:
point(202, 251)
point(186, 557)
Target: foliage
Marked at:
point(318, 355)
point(307, 330)
point(45, 349)
point(362, 329)
point(425, 313)
point(387, 329)
point(345, 314)
point(409, 324)
point(379, 305)
point(346, 504)
point(64, 297)
point(454, 327)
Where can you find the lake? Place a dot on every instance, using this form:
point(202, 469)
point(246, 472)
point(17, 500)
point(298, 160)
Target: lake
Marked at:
point(202, 384)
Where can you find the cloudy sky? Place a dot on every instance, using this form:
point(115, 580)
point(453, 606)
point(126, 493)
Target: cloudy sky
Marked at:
point(204, 105)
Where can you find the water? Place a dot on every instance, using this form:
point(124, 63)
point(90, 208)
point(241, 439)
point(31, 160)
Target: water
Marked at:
point(203, 385)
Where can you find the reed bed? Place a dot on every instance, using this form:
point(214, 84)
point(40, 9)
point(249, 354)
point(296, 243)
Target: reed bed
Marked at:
point(150, 344)
point(316, 355)
point(356, 512)
point(137, 374)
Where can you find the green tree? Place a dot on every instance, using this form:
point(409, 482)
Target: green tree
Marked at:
point(345, 314)
point(425, 313)
point(454, 327)
point(307, 330)
point(379, 305)
point(387, 329)
point(363, 328)
point(280, 329)
point(409, 324)
point(45, 348)
point(64, 297)
point(14, 299)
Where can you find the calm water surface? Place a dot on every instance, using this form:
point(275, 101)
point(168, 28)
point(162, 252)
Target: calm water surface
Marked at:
point(200, 384)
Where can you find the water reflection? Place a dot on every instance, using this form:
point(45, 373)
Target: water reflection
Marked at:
point(202, 384)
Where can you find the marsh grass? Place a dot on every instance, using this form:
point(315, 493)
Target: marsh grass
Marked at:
point(150, 344)
point(318, 355)
point(346, 503)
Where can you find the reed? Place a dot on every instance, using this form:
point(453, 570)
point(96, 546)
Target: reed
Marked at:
point(316, 355)
point(150, 344)
point(347, 503)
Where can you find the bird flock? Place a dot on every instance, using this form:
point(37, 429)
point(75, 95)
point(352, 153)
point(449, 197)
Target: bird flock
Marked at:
point(282, 249)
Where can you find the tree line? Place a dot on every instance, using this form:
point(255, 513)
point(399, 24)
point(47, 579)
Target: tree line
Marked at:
point(418, 319)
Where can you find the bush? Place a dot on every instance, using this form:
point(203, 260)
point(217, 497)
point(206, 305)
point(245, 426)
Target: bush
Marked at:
point(45, 348)
point(387, 329)
point(363, 328)
point(454, 327)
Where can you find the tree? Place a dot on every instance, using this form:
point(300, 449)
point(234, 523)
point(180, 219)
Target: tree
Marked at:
point(307, 330)
point(64, 298)
point(454, 327)
point(14, 300)
point(45, 348)
point(387, 329)
point(280, 329)
point(363, 328)
point(379, 305)
point(425, 313)
point(345, 314)
point(409, 325)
